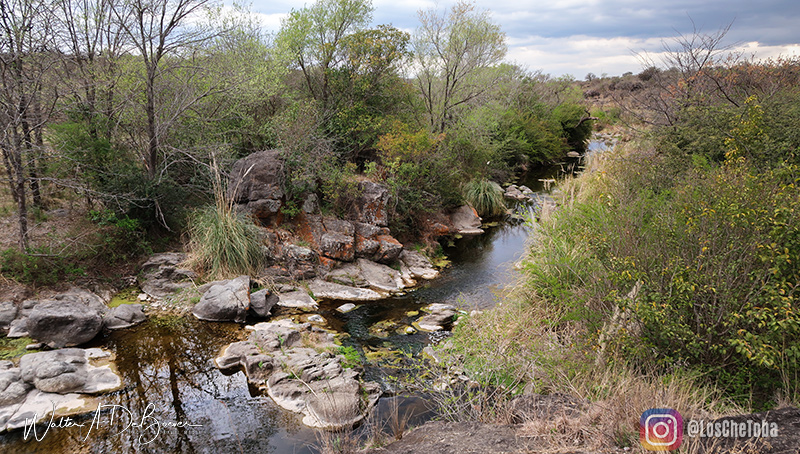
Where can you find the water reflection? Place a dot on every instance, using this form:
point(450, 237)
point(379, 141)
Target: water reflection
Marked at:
point(185, 403)
point(168, 374)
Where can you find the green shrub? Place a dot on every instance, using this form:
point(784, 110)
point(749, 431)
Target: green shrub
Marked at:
point(716, 254)
point(486, 197)
point(39, 266)
point(530, 137)
point(120, 238)
point(225, 243)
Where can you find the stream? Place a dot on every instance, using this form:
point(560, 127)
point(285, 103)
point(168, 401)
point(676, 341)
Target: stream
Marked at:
point(166, 364)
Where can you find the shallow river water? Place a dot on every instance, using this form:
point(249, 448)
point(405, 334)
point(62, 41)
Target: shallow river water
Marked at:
point(180, 403)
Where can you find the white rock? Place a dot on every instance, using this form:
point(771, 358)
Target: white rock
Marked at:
point(345, 308)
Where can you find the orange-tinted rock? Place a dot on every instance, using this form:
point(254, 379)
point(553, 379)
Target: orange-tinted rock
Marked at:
point(366, 247)
point(389, 249)
point(338, 246)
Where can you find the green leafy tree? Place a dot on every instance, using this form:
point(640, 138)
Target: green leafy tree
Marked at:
point(313, 39)
point(456, 52)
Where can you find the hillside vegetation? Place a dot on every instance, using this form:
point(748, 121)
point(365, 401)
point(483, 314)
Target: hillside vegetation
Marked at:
point(668, 274)
point(132, 123)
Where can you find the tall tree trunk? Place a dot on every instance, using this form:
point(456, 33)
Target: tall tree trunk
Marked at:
point(9, 171)
point(152, 151)
point(19, 191)
point(38, 140)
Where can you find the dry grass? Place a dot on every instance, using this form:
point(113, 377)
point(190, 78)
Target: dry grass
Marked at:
point(223, 242)
point(616, 398)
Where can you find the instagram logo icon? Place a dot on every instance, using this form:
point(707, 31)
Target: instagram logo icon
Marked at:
point(661, 429)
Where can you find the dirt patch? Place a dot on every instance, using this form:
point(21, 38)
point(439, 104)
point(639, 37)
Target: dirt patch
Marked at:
point(473, 437)
point(457, 438)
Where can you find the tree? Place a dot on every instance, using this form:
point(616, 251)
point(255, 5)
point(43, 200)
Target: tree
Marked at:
point(456, 52)
point(313, 38)
point(367, 87)
point(26, 56)
point(160, 29)
point(92, 41)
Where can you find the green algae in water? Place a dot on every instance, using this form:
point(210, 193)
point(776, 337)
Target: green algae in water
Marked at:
point(129, 295)
point(168, 321)
point(12, 348)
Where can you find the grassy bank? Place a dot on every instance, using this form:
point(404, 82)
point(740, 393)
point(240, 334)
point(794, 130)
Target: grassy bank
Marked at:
point(660, 281)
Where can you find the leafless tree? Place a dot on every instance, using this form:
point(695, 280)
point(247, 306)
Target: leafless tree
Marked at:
point(160, 29)
point(26, 57)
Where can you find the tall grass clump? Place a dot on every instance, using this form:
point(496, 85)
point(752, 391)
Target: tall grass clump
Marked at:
point(486, 197)
point(225, 243)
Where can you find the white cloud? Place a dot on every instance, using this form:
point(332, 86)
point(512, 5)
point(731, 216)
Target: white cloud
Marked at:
point(580, 36)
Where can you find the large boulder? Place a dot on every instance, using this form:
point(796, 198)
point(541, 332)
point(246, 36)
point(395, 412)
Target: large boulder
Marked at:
point(226, 301)
point(255, 184)
point(124, 316)
point(67, 370)
point(262, 302)
point(389, 249)
point(63, 322)
point(370, 206)
point(338, 241)
point(466, 222)
point(162, 275)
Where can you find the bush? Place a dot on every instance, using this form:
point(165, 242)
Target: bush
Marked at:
point(715, 253)
point(530, 137)
point(38, 266)
point(225, 244)
point(421, 176)
point(486, 197)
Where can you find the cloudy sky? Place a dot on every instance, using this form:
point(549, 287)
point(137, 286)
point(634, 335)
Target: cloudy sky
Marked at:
point(599, 36)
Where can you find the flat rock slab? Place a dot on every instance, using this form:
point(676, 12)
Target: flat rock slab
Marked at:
point(297, 299)
point(301, 371)
point(38, 406)
point(381, 277)
point(57, 379)
point(332, 291)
